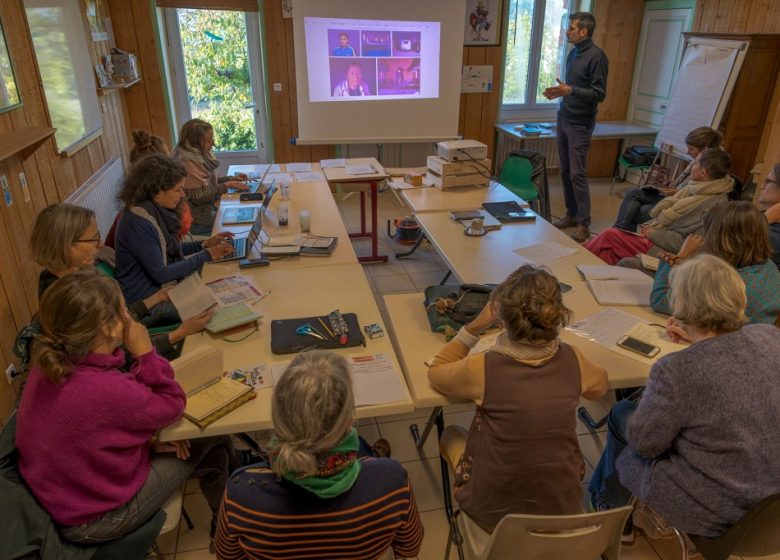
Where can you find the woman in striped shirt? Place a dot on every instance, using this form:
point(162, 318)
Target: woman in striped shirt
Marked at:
point(317, 499)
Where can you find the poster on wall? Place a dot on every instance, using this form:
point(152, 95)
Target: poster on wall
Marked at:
point(96, 16)
point(287, 8)
point(483, 22)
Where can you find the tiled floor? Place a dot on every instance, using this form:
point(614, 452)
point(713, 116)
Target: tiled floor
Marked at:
point(413, 274)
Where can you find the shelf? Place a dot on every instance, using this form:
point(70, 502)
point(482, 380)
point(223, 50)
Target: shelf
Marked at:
point(24, 140)
point(116, 87)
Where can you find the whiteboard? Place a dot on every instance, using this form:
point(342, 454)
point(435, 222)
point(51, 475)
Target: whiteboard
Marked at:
point(705, 81)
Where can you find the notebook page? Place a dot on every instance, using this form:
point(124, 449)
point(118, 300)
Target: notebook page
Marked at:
point(215, 396)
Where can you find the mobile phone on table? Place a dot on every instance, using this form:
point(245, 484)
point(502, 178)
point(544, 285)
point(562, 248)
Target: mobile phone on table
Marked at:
point(639, 346)
point(249, 196)
point(251, 263)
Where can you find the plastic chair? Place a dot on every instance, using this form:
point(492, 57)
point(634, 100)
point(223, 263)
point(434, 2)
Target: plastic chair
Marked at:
point(524, 173)
point(540, 537)
point(621, 162)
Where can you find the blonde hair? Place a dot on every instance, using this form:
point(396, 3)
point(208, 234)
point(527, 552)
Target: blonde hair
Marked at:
point(192, 134)
point(530, 304)
point(72, 313)
point(312, 408)
point(707, 292)
point(56, 229)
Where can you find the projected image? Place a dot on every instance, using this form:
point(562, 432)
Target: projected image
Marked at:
point(375, 43)
point(355, 77)
point(399, 76)
point(406, 43)
point(343, 42)
point(354, 60)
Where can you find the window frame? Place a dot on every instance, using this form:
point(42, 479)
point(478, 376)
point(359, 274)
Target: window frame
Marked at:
point(532, 110)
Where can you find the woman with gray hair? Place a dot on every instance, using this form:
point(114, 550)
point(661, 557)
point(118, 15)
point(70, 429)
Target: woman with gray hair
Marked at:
point(696, 449)
point(317, 492)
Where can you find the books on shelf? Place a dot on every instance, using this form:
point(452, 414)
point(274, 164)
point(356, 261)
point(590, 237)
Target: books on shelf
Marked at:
point(209, 395)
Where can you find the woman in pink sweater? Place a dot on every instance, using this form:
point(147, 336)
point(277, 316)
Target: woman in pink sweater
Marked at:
point(85, 429)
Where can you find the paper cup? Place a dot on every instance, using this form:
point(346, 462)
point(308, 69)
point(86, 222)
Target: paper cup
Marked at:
point(305, 218)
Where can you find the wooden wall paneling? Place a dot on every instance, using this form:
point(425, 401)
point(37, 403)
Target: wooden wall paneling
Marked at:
point(463, 97)
point(156, 105)
point(491, 101)
point(708, 15)
point(281, 105)
point(772, 20)
point(739, 16)
point(302, 152)
point(7, 336)
point(12, 245)
point(81, 167)
point(473, 108)
point(757, 15)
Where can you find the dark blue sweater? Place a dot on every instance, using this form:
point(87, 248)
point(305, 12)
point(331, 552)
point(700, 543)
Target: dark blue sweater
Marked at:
point(586, 73)
point(140, 263)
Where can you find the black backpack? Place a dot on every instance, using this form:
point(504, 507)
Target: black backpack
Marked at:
point(640, 155)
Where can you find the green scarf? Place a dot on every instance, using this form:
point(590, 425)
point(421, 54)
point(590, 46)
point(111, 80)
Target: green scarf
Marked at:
point(337, 469)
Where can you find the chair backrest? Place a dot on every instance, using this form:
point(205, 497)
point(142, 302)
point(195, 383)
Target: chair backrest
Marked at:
point(757, 534)
point(540, 537)
point(516, 176)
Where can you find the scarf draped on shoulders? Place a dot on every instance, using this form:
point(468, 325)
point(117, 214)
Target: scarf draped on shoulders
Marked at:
point(201, 167)
point(687, 199)
point(169, 224)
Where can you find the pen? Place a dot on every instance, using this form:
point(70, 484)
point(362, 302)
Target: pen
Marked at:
point(326, 327)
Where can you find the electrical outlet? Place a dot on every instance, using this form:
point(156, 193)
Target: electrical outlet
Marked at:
point(10, 373)
point(277, 86)
point(25, 187)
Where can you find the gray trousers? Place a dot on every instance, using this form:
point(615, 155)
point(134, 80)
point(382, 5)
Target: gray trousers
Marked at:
point(210, 461)
point(573, 146)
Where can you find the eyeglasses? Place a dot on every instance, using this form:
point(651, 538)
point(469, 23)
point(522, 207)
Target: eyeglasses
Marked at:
point(94, 240)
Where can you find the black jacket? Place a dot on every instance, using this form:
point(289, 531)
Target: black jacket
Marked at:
point(586, 73)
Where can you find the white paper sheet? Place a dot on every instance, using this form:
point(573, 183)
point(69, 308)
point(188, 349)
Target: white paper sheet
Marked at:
point(365, 169)
point(340, 162)
point(302, 167)
point(191, 297)
point(279, 178)
point(305, 176)
point(375, 380)
point(234, 289)
point(605, 327)
point(545, 252)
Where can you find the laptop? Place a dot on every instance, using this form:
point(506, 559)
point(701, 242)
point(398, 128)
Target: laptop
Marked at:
point(248, 214)
point(243, 245)
point(254, 182)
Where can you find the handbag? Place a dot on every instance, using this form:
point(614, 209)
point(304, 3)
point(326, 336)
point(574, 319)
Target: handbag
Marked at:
point(640, 155)
point(454, 306)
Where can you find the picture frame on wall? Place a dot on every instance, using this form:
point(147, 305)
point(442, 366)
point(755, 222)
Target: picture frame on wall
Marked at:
point(96, 16)
point(483, 23)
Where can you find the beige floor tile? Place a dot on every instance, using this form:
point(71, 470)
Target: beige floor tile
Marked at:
point(436, 531)
point(369, 432)
point(200, 514)
point(424, 279)
point(421, 261)
point(396, 283)
point(640, 550)
point(374, 270)
point(400, 438)
point(167, 542)
point(426, 482)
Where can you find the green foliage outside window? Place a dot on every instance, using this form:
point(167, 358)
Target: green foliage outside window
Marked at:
point(217, 69)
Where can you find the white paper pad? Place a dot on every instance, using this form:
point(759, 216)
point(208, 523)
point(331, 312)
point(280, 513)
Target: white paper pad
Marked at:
point(545, 252)
point(616, 285)
point(340, 162)
point(605, 327)
point(305, 176)
point(375, 380)
point(365, 169)
point(302, 167)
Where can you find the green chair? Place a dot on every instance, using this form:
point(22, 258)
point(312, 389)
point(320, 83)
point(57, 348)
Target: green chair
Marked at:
point(524, 173)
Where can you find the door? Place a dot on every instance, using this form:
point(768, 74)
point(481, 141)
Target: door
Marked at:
point(216, 75)
point(658, 59)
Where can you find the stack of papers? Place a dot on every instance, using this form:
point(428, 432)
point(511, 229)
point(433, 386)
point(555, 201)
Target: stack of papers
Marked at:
point(340, 162)
point(365, 169)
point(545, 252)
point(616, 285)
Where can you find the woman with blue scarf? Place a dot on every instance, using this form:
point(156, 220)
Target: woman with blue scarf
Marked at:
point(318, 493)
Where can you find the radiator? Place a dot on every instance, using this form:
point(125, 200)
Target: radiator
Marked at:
point(99, 194)
point(507, 144)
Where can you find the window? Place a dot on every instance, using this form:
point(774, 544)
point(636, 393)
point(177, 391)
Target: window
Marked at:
point(60, 41)
point(535, 56)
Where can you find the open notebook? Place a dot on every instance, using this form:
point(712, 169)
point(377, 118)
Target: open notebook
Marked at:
point(209, 395)
point(616, 285)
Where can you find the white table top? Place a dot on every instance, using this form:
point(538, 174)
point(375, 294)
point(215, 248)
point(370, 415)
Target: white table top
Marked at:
point(314, 196)
point(491, 258)
point(603, 130)
point(317, 292)
point(432, 199)
point(339, 174)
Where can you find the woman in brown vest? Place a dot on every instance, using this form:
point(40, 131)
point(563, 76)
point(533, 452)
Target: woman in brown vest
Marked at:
point(521, 452)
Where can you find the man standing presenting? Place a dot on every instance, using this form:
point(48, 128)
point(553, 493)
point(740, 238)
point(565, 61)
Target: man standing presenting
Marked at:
point(585, 88)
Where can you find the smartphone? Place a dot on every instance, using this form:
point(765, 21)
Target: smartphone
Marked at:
point(638, 346)
point(521, 216)
point(250, 263)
